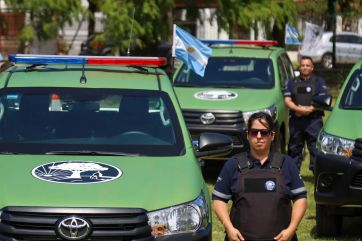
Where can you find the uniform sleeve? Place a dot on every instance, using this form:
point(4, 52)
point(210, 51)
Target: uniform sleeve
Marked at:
point(288, 88)
point(322, 87)
point(295, 182)
point(222, 190)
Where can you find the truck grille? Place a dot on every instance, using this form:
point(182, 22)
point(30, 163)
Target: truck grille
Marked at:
point(228, 122)
point(357, 180)
point(40, 223)
point(223, 118)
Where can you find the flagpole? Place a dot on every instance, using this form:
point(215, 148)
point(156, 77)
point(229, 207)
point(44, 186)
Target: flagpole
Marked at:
point(173, 51)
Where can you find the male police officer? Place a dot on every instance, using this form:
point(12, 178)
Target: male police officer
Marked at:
point(305, 121)
point(261, 185)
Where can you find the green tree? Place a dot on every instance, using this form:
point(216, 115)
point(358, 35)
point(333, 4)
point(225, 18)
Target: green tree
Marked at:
point(313, 10)
point(47, 17)
point(320, 11)
point(234, 15)
point(350, 8)
point(135, 24)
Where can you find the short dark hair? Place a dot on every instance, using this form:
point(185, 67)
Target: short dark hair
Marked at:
point(263, 116)
point(306, 57)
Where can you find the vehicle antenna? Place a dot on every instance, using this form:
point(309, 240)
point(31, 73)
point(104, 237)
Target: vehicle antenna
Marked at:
point(130, 35)
point(83, 78)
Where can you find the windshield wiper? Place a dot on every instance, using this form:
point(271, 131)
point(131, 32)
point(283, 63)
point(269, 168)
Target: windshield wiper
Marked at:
point(142, 69)
point(34, 67)
point(88, 152)
point(185, 85)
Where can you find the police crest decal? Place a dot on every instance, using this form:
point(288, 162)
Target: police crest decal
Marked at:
point(270, 186)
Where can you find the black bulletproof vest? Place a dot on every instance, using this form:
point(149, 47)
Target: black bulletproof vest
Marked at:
point(303, 90)
point(262, 207)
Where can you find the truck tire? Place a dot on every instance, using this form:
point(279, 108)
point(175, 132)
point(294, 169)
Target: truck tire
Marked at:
point(327, 224)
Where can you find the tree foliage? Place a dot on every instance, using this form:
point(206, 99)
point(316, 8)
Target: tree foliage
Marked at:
point(349, 8)
point(313, 10)
point(135, 23)
point(46, 16)
point(233, 14)
point(319, 11)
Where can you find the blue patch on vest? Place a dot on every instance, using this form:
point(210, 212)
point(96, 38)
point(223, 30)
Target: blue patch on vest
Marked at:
point(270, 185)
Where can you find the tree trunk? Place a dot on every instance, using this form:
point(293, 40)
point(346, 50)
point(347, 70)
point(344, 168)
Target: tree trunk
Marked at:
point(92, 8)
point(278, 35)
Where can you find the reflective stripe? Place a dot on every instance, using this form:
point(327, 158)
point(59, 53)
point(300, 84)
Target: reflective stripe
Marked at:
point(221, 195)
point(298, 190)
point(287, 93)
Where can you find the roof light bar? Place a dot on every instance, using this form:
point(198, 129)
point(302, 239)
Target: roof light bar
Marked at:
point(242, 42)
point(88, 60)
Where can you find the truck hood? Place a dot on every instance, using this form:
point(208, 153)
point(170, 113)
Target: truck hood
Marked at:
point(143, 182)
point(344, 123)
point(229, 98)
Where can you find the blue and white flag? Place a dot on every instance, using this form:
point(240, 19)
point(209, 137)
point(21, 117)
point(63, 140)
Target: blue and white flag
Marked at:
point(312, 35)
point(291, 35)
point(190, 50)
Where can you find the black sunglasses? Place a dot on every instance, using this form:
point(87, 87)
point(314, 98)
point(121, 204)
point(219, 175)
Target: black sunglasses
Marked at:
point(263, 132)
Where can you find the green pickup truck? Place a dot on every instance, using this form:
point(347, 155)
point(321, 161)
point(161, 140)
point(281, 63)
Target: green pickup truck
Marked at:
point(338, 166)
point(96, 148)
point(241, 78)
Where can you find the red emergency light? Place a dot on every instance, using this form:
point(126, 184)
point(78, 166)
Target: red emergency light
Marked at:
point(88, 60)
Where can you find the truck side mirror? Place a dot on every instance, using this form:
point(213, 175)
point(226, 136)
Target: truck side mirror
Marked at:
point(210, 144)
point(296, 72)
point(323, 102)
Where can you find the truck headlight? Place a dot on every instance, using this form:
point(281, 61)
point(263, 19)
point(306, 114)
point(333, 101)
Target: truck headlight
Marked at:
point(271, 110)
point(183, 218)
point(329, 144)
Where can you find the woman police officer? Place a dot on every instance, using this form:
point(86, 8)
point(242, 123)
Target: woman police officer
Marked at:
point(267, 192)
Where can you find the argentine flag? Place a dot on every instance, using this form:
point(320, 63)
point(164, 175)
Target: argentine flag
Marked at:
point(190, 50)
point(291, 35)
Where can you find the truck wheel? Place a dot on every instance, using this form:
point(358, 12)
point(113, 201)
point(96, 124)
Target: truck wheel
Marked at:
point(327, 224)
point(327, 60)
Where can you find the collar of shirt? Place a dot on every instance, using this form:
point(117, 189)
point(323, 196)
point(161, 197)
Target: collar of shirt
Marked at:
point(300, 78)
point(256, 163)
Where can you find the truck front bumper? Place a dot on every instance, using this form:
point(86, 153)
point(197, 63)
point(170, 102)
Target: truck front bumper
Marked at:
point(338, 181)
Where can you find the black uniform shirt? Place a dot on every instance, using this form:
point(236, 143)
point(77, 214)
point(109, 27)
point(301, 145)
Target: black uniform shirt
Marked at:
point(225, 186)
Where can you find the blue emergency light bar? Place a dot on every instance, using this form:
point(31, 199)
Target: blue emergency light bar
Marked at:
point(241, 42)
point(88, 60)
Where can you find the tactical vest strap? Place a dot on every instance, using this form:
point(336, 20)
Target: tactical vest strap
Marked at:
point(243, 162)
point(277, 161)
point(313, 80)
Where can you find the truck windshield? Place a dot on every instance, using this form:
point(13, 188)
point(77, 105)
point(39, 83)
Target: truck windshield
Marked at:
point(352, 95)
point(230, 72)
point(71, 120)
